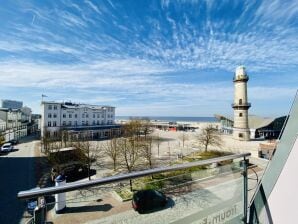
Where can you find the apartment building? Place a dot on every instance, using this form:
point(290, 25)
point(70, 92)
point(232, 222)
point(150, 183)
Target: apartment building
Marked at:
point(11, 104)
point(12, 124)
point(91, 120)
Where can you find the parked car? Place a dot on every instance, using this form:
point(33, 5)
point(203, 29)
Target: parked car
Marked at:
point(146, 200)
point(32, 203)
point(13, 142)
point(7, 147)
point(70, 170)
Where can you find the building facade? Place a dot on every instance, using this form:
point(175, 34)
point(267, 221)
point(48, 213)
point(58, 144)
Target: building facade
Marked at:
point(93, 121)
point(259, 127)
point(12, 124)
point(241, 105)
point(11, 104)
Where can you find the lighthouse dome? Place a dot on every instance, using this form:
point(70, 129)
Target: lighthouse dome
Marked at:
point(240, 74)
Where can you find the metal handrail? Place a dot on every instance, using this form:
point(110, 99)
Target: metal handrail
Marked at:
point(117, 178)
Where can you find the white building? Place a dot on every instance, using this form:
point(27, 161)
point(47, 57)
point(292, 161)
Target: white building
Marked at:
point(12, 125)
point(92, 120)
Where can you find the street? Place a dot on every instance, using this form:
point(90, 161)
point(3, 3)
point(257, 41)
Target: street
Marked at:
point(17, 173)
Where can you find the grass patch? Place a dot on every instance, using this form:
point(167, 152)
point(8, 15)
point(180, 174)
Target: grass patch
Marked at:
point(125, 194)
point(165, 180)
point(205, 155)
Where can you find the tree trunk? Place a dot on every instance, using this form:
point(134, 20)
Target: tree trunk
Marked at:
point(130, 184)
point(89, 164)
point(89, 172)
point(114, 164)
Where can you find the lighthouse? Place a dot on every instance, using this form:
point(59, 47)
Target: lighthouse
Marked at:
point(241, 105)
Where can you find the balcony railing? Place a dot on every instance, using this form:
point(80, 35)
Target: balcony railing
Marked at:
point(241, 105)
point(206, 191)
point(240, 78)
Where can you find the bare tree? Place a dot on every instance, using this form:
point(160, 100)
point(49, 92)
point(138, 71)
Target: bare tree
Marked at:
point(183, 137)
point(209, 136)
point(146, 127)
point(147, 151)
point(158, 140)
point(111, 149)
point(88, 153)
point(132, 129)
point(130, 151)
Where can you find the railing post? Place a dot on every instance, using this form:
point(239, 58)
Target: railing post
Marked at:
point(245, 189)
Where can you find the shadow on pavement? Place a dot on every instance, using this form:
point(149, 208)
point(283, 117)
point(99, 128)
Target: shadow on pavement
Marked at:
point(29, 138)
point(17, 174)
point(88, 208)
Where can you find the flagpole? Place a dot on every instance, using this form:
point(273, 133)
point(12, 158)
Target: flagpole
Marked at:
point(42, 96)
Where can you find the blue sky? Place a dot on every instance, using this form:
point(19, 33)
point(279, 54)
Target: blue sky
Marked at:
point(164, 58)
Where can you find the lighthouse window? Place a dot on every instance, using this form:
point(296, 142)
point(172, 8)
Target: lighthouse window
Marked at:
point(240, 101)
point(240, 114)
point(240, 135)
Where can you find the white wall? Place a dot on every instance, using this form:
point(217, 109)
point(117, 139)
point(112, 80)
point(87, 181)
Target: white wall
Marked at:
point(283, 199)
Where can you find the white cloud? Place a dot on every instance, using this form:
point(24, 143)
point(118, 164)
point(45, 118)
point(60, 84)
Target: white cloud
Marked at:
point(97, 74)
point(93, 6)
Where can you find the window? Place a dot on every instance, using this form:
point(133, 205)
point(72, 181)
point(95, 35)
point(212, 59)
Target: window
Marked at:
point(55, 107)
point(55, 134)
point(50, 107)
point(64, 115)
point(83, 123)
point(64, 123)
point(75, 123)
point(76, 116)
point(93, 115)
point(87, 116)
point(54, 115)
point(83, 115)
point(49, 115)
point(240, 101)
point(87, 123)
point(97, 122)
point(70, 115)
point(240, 114)
point(69, 123)
point(102, 116)
point(54, 124)
point(49, 124)
point(240, 135)
point(98, 115)
point(93, 123)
